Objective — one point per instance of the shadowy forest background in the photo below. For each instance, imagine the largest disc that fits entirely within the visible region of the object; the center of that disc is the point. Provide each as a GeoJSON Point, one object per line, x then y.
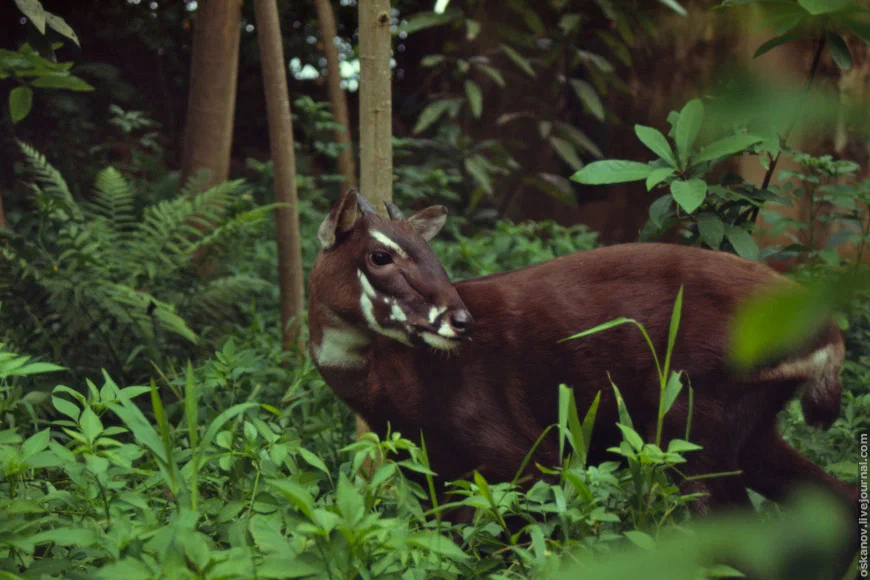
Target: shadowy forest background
{"type": "Point", "coordinates": [159, 415]}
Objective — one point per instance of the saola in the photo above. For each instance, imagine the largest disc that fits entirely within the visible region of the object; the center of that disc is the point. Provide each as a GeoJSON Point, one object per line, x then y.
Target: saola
{"type": "Point", "coordinates": [476, 365]}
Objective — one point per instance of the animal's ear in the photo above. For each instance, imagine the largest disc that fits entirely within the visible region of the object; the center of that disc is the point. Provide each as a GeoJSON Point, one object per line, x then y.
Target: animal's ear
{"type": "Point", "coordinates": [341, 218]}
{"type": "Point", "coordinates": [428, 222]}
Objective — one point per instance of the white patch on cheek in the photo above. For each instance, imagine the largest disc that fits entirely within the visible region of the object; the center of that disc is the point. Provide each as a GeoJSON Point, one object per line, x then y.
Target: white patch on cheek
{"type": "Point", "coordinates": [436, 341]}
{"type": "Point", "coordinates": [386, 241]}
{"type": "Point", "coordinates": [368, 310]}
{"type": "Point", "coordinates": [446, 330]}
{"type": "Point", "coordinates": [396, 313]}
{"type": "Point", "coordinates": [367, 287]}
{"type": "Point", "coordinates": [435, 312]}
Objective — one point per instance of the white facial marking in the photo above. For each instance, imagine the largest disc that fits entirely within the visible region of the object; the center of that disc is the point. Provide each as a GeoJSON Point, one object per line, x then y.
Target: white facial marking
{"type": "Point", "coordinates": [341, 348]}
{"type": "Point", "coordinates": [438, 342]}
{"type": "Point", "coordinates": [810, 367]}
{"type": "Point", "coordinates": [446, 331]}
{"type": "Point", "coordinates": [386, 241]}
{"type": "Point", "coordinates": [368, 290]}
{"type": "Point", "coordinates": [435, 312]}
{"type": "Point", "coordinates": [396, 313]}
{"type": "Point", "coordinates": [368, 310]}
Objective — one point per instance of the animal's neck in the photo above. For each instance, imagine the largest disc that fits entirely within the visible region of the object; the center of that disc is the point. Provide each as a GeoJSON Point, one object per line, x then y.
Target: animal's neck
{"type": "Point", "coordinates": [341, 351]}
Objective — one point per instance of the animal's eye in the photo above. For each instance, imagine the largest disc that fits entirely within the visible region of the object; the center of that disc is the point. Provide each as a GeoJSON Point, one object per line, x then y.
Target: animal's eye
{"type": "Point", "coordinates": [380, 258]}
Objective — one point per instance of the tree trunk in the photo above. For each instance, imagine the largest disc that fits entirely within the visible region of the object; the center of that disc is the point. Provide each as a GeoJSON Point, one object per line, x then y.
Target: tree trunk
{"type": "Point", "coordinates": [284, 168]}
{"type": "Point", "coordinates": [337, 98]}
{"type": "Point", "coordinates": [375, 101]}
{"type": "Point", "coordinates": [211, 101]}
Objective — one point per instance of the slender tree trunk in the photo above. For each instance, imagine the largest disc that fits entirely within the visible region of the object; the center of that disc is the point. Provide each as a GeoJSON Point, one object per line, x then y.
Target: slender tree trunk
{"type": "Point", "coordinates": [284, 168]}
{"type": "Point", "coordinates": [375, 101]}
{"type": "Point", "coordinates": [211, 101]}
{"type": "Point", "coordinates": [376, 129]}
{"type": "Point", "coordinates": [346, 164]}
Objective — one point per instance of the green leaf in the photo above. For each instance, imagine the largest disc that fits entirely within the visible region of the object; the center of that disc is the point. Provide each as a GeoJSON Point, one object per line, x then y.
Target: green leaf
{"type": "Point", "coordinates": [34, 12]}
{"type": "Point", "coordinates": [438, 544]}
{"type": "Point", "coordinates": [36, 443]}
{"type": "Point", "coordinates": [743, 243]}
{"type": "Point", "coordinates": [688, 125]}
{"type": "Point", "coordinates": [612, 171]}
{"type": "Point", "coordinates": [294, 492]}
{"type": "Point", "coordinates": [472, 28]}
{"type": "Point", "coordinates": [660, 210]}
{"type": "Point", "coordinates": [839, 50]}
{"type": "Point", "coordinates": [578, 138]}
{"type": "Point", "coordinates": [689, 194]}
{"type": "Point", "coordinates": [711, 229]}
{"type": "Point", "coordinates": [423, 20]}
{"type": "Point", "coordinates": [350, 502]}
{"type": "Point", "coordinates": [589, 97]}
{"type": "Point", "coordinates": [313, 460]}
{"type": "Point", "coordinates": [519, 60]}
{"type": "Point", "coordinates": [726, 147]}
{"type": "Point", "coordinates": [672, 391]}
{"type": "Point", "coordinates": [631, 436]}
{"type": "Point", "coordinates": [641, 539]}
{"type": "Point", "coordinates": [816, 7]}
{"type": "Point", "coordinates": [776, 41]}
{"type": "Point", "coordinates": [65, 407]}
{"type": "Point", "coordinates": [20, 103]}
{"type": "Point", "coordinates": [90, 424]}
{"type": "Point", "coordinates": [492, 73]}
{"type": "Point", "coordinates": [475, 98]}
{"type": "Point", "coordinates": [681, 446]}
{"type": "Point", "coordinates": [567, 152]}
{"type": "Point", "coordinates": [431, 113]}
{"type": "Point", "coordinates": [657, 176]}
{"type": "Point", "coordinates": [861, 29]}
{"type": "Point", "coordinates": [656, 142]}
{"type": "Point", "coordinates": [675, 6]}
{"type": "Point", "coordinates": [60, 26]}
{"type": "Point", "coordinates": [601, 327]}
{"type": "Point", "coordinates": [37, 368]}
{"type": "Point", "coordinates": [62, 81]}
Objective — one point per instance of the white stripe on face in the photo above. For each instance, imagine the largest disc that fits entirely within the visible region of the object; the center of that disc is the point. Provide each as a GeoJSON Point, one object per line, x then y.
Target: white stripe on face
{"type": "Point", "coordinates": [367, 287]}
{"type": "Point", "coordinates": [396, 313]}
{"type": "Point", "coordinates": [386, 241]}
{"type": "Point", "coordinates": [435, 312]}
{"type": "Point", "coordinates": [445, 330]}
{"type": "Point", "coordinates": [368, 310]}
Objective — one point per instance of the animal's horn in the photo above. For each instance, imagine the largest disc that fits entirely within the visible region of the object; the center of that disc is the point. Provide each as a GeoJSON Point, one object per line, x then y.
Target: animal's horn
{"type": "Point", "coordinates": [363, 204]}
{"type": "Point", "coordinates": [394, 211]}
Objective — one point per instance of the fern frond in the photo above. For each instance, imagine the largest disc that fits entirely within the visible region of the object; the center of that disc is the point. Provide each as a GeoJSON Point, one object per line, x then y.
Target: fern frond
{"type": "Point", "coordinates": [247, 221]}
{"type": "Point", "coordinates": [216, 299]}
{"type": "Point", "coordinates": [113, 202]}
{"type": "Point", "coordinates": [50, 182]}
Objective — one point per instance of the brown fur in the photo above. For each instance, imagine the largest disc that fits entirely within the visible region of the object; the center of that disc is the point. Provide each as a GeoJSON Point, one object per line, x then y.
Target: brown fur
{"type": "Point", "coordinates": [482, 405]}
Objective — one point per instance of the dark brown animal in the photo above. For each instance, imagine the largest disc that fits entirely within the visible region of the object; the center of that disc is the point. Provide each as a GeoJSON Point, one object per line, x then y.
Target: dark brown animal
{"type": "Point", "coordinates": [476, 365]}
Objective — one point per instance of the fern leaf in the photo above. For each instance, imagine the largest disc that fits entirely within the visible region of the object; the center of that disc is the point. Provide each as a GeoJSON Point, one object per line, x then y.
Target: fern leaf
{"type": "Point", "coordinates": [50, 182]}
{"type": "Point", "coordinates": [113, 202]}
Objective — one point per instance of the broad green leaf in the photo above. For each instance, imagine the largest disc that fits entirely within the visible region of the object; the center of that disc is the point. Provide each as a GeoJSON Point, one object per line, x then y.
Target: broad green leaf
{"type": "Point", "coordinates": [349, 500]}
{"type": "Point", "coordinates": [641, 539]}
{"type": "Point", "coordinates": [277, 566]}
{"type": "Point", "coordinates": [657, 176]}
{"type": "Point", "coordinates": [688, 125]}
{"type": "Point", "coordinates": [438, 544]}
{"type": "Point", "coordinates": [776, 41]}
{"type": "Point", "coordinates": [430, 114]}
{"type": "Point", "coordinates": [631, 436]}
{"type": "Point", "coordinates": [656, 142]}
{"type": "Point", "coordinates": [839, 50]}
{"type": "Point", "coordinates": [672, 391]}
{"type": "Point", "coordinates": [20, 103]}
{"type": "Point", "coordinates": [519, 60]}
{"type": "Point", "coordinates": [589, 97]}
{"type": "Point", "coordinates": [62, 81]}
{"type": "Point", "coordinates": [65, 407]}
{"type": "Point", "coordinates": [660, 210]}
{"type": "Point", "coordinates": [313, 460]}
{"type": "Point", "coordinates": [816, 7]}
{"type": "Point", "coordinates": [423, 20]}
{"type": "Point", "coordinates": [689, 194]}
{"type": "Point", "coordinates": [294, 492]}
{"type": "Point", "coordinates": [34, 12]}
{"type": "Point", "coordinates": [36, 443]}
{"type": "Point", "coordinates": [475, 98]}
{"type": "Point", "coordinates": [567, 152]}
{"type": "Point", "coordinates": [612, 171]}
{"type": "Point", "coordinates": [711, 229]}
{"type": "Point", "coordinates": [726, 147]}
{"type": "Point", "coordinates": [60, 26]}
{"type": "Point", "coordinates": [90, 424]}
{"type": "Point", "coordinates": [744, 244]}
{"type": "Point", "coordinates": [38, 368]}
{"type": "Point", "coordinates": [682, 446]}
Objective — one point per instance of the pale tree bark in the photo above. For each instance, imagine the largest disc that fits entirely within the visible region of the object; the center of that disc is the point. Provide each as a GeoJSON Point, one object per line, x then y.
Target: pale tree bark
{"type": "Point", "coordinates": [376, 129]}
{"type": "Point", "coordinates": [284, 170]}
{"type": "Point", "coordinates": [376, 126]}
{"type": "Point", "coordinates": [337, 98]}
{"type": "Point", "coordinates": [211, 100]}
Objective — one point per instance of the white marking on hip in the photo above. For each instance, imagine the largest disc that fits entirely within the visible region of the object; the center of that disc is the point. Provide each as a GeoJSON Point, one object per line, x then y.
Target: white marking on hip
{"type": "Point", "coordinates": [386, 241]}
{"type": "Point", "coordinates": [367, 287]}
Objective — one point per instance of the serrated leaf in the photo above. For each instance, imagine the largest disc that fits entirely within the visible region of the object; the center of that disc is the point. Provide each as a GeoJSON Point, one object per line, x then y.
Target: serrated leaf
{"type": "Point", "coordinates": [725, 147]}
{"type": "Point", "coordinates": [589, 97]}
{"type": "Point", "coordinates": [689, 194]}
{"type": "Point", "coordinates": [519, 60]}
{"type": "Point", "coordinates": [839, 50]}
{"type": "Point", "coordinates": [612, 171]}
{"type": "Point", "coordinates": [743, 243]}
{"type": "Point", "coordinates": [657, 176]}
{"type": "Point", "coordinates": [655, 142]}
{"type": "Point", "coordinates": [34, 12]}
{"type": "Point", "coordinates": [475, 98]}
{"type": "Point", "coordinates": [20, 103]}
{"type": "Point", "coordinates": [711, 229]}
{"type": "Point", "coordinates": [688, 125]}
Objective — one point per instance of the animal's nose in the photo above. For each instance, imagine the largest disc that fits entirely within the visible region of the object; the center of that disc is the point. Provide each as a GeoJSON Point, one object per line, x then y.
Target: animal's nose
{"type": "Point", "coordinates": [461, 322]}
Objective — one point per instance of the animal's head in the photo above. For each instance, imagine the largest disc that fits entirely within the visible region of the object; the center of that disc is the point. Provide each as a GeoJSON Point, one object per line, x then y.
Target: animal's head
{"type": "Point", "coordinates": [380, 273]}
